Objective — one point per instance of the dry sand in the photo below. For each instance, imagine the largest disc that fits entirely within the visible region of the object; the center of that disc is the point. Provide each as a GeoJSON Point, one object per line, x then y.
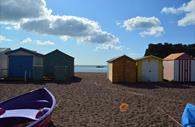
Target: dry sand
{"type": "Point", "coordinates": [92, 101]}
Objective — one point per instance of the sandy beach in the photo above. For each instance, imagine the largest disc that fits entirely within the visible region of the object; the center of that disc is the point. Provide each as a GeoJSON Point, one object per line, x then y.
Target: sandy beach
{"type": "Point", "coordinates": [91, 100]}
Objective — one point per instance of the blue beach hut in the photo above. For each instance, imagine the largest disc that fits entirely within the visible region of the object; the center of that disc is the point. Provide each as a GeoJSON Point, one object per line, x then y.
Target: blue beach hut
{"type": "Point", "coordinates": [21, 62]}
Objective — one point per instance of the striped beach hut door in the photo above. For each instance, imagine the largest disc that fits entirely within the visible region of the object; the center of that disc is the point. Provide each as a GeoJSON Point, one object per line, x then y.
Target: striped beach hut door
{"type": "Point", "coordinates": [184, 70]}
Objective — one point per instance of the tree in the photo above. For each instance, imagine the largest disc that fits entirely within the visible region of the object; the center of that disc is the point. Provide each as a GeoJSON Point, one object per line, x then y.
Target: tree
{"type": "Point", "coordinates": [163, 50]}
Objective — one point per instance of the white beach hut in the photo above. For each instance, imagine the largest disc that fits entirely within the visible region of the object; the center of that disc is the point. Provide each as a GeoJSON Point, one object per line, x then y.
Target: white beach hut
{"type": "Point", "coordinates": [4, 62]}
{"type": "Point", "coordinates": [179, 67]}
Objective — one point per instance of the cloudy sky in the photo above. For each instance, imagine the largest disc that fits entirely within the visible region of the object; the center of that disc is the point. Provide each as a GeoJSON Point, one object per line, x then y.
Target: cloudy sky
{"type": "Point", "coordinates": [94, 31]}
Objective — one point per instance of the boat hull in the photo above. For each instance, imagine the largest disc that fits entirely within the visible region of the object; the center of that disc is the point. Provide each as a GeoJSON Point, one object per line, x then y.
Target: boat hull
{"type": "Point", "coordinates": [23, 109]}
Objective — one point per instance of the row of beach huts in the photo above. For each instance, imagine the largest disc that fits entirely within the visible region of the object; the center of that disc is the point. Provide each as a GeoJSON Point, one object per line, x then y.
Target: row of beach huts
{"type": "Point", "coordinates": [26, 64]}
{"type": "Point", "coordinates": [30, 65]}
{"type": "Point", "coordinates": [178, 67]}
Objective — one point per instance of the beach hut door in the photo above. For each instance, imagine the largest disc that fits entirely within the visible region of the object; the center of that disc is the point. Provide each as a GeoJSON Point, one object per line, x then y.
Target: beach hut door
{"type": "Point", "coordinates": [150, 70]}
{"type": "Point", "coordinates": [154, 71]}
{"type": "Point", "coordinates": [19, 66]}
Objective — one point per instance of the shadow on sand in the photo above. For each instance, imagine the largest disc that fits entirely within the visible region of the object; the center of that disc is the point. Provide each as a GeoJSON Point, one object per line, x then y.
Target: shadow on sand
{"type": "Point", "coordinates": [51, 124]}
{"type": "Point", "coordinates": [156, 85]}
{"type": "Point", "coordinates": [75, 79]}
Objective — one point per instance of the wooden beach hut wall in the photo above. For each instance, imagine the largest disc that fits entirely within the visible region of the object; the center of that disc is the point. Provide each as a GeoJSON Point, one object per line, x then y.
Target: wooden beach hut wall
{"type": "Point", "coordinates": [122, 69]}
{"type": "Point", "coordinates": [58, 65]}
{"type": "Point", "coordinates": [149, 69]}
{"type": "Point", "coordinates": [4, 62]}
{"type": "Point", "coordinates": [22, 62]}
{"type": "Point", "coordinates": [179, 67]}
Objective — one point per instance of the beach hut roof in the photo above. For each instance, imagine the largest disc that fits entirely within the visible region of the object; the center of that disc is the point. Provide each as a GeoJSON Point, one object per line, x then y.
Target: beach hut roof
{"type": "Point", "coordinates": [150, 56]}
{"type": "Point", "coordinates": [60, 53]}
{"type": "Point", "coordinates": [4, 50]}
{"type": "Point", "coordinates": [176, 56]}
{"type": "Point", "coordinates": [116, 58]}
{"type": "Point", "coordinates": [25, 50]}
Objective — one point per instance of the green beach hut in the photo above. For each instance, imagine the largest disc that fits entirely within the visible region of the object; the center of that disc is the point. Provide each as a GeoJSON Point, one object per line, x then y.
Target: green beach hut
{"type": "Point", "coordinates": [58, 65]}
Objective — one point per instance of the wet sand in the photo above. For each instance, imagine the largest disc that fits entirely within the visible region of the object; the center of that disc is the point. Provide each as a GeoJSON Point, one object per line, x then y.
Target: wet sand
{"type": "Point", "coordinates": [91, 100]}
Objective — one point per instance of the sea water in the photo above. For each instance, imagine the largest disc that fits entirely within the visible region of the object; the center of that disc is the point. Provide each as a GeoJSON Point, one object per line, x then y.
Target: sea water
{"type": "Point", "coordinates": [90, 68]}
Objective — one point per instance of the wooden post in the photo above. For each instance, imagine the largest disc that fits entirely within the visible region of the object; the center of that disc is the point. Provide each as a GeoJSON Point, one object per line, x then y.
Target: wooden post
{"type": "Point", "coordinates": [25, 76]}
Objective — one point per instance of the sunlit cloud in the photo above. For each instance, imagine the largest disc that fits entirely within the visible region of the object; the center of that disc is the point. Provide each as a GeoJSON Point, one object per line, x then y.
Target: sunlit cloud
{"type": "Point", "coordinates": [4, 38]}
{"type": "Point", "coordinates": [188, 9]}
{"type": "Point", "coordinates": [37, 18]}
{"type": "Point", "coordinates": [151, 26]}
{"type": "Point", "coordinates": [37, 42]}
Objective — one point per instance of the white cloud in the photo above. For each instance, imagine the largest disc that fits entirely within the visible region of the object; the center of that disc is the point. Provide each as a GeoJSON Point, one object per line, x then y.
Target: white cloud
{"type": "Point", "coordinates": [188, 9]}
{"type": "Point", "coordinates": [107, 46]}
{"type": "Point", "coordinates": [140, 23]}
{"type": "Point", "coordinates": [3, 38]}
{"type": "Point", "coordinates": [83, 29]}
{"type": "Point", "coordinates": [8, 28]}
{"type": "Point", "coordinates": [64, 38]}
{"type": "Point", "coordinates": [16, 10]}
{"type": "Point", "coordinates": [10, 25]}
{"type": "Point", "coordinates": [150, 25]}
{"type": "Point", "coordinates": [37, 42]}
{"type": "Point", "coordinates": [189, 19]}
{"type": "Point", "coordinates": [27, 41]}
{"type": "Point", "coordinates": [34, 16]}
{"type": "Point", "coordinates": [169, 10]}
{"type": "Point", "coordinates": [153, 31]}
{"type": "Point", "coordinates": [118, 23]}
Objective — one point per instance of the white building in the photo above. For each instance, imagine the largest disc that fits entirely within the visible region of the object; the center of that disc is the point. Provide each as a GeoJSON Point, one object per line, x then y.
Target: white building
{"type": "Point", "coordinates": [179, 67]}
{"type": "Point", "coordinates": [4, 62]}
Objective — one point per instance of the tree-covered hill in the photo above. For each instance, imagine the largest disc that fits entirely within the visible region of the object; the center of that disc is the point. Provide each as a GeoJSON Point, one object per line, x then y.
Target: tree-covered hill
{"type": "Point", "coordinates": [163, 50]}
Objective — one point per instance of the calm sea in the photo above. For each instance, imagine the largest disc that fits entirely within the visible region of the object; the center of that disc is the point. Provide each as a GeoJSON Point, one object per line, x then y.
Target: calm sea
{"type": "Point", "coordinates": [90, 68]}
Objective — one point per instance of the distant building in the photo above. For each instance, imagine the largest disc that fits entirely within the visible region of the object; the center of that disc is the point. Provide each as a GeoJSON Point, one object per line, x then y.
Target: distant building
{"type": "Point", "coordinates": [58, 65]}
{"type": "Point", "coordinates": [179, 67]}
{"type": "Point", "coordinates": [122, 69]}
{"type": "Point", "coordinates": [4, 62]}
{"type": "Point", "coordinates": [149, 69]}
{"type": "Point", "coordinates": [21, 63]}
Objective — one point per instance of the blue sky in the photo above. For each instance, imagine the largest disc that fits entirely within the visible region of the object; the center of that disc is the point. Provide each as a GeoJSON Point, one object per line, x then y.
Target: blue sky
{"type": "Point", "coordinates": [94, 31]}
